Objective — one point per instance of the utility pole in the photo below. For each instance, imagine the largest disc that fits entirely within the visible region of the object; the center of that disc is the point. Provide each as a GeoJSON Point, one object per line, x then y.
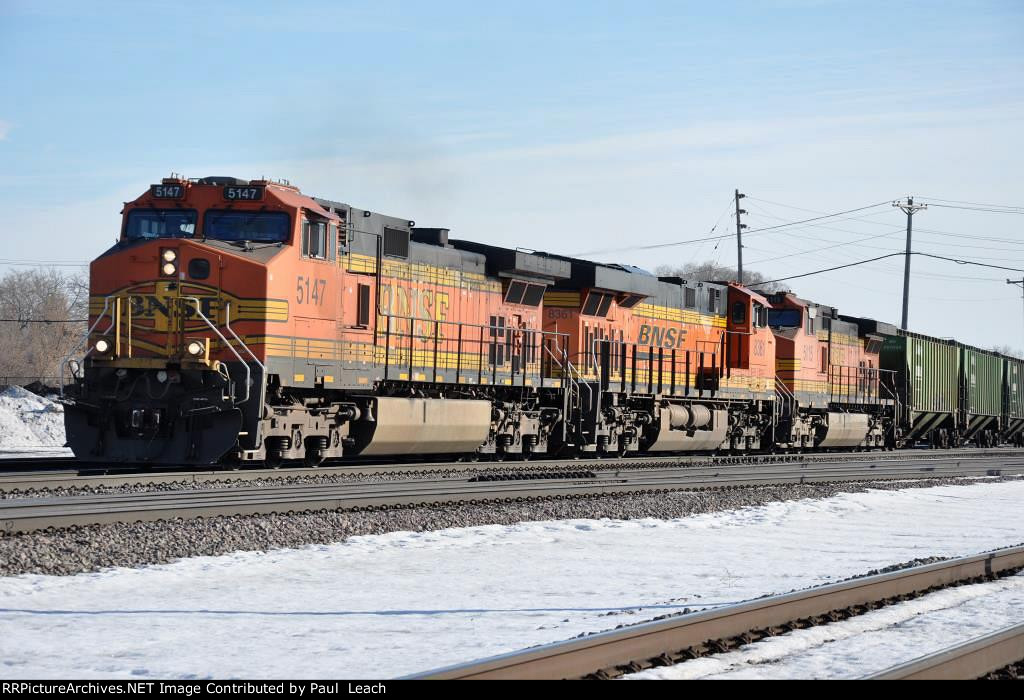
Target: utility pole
{"type": "Point", "coordinates": [1021, 283]}
{"type": "Point", "coordinates": [739, 237]}
{"type": "Point", "coordinates": [908, 208]}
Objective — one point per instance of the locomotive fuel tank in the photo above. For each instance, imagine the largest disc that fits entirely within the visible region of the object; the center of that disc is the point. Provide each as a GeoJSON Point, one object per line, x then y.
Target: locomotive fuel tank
{"type": "Point", "coordinates": [405, 426]}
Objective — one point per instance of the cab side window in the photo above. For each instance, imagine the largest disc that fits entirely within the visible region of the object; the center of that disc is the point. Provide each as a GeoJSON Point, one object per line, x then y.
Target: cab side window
{"type": "Point", "coordinates": [318, 240]}
{"type": "Point", "coordinates": [739, 312]}
{"type": "Point", "coordinates": [760, 316]}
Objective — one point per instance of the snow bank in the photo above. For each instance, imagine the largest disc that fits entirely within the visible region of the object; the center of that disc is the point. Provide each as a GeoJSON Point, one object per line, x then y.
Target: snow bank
{"type": "Point", "coordinates": [29, 421]}
{"type": "Point", "coordinates": [394, 604]}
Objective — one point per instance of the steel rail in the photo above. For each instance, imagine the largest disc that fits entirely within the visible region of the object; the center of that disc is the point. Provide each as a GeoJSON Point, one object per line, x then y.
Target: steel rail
{"type": "Point", "coordinates": [662, 643]}
{"type": "Point", "coordinates": [837, 470]}
{"type": "Point", "coordinates": [32, 514]}
{"type": "Point", "coordinates": [375, 465]}
{"type": "Point", "coordinates": [966, 661]}
{"type": "Point", "coordinates": [91, 475]}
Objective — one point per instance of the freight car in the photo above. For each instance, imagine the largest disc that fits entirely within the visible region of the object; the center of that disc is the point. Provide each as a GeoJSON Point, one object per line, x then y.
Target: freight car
{"type": "Point", "coordinates": [951, 394]}
{"type": "Point", "coordinates": [245, 321]}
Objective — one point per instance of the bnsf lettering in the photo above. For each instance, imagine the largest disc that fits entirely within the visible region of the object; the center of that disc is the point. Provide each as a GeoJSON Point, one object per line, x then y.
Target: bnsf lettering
{"type": "Point", "coordinates": [149, 306]}
{"type": "Point", "coordinates": [661, 337]}
{"type": "Point", "coordinates": [414, 306]}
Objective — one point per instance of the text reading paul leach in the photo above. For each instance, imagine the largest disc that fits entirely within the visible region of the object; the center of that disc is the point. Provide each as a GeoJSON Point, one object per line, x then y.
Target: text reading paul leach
{"type": "Point", "coordinates": [194, 689]}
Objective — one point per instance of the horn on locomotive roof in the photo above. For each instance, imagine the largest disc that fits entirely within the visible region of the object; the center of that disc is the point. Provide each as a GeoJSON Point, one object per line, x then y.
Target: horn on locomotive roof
{"type": "Point", "coordinates": [222, 180]}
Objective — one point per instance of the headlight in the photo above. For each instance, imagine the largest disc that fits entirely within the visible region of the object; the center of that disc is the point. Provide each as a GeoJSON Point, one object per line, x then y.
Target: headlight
{"type": "Point", "coordinates": [102, 346]}
{"type": "Point", "coordinates": [195, 348]}
{"type": "Point", "coordinates": [170, 255]}
{"type": "Point", "coordinates": [169, 269]}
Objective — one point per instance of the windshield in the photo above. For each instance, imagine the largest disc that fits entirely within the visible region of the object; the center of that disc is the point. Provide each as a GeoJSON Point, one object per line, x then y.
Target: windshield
{"type": "Point", "coordinates": [266, 226]}
{"type": "Point", "coordinates": [160, 223]}
{"type": "Point", "coordinates": [784, 318]}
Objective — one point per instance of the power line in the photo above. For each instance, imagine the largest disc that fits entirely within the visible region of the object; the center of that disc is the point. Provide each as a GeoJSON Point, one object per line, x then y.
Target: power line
{"type": "Point", "coordinates": [828, 269]}
{"type": "Point", "coordinates": [817, 218]}
{"type": "Point", "coordinates": [758, 212]}
{"type": "Point", "coordinates": [883, 257]}
{"type": "Point", "coordinates": [656, 246]}
{"type": "Point", "coordinates": [880, 223]}
{"type": "Point", "coordinates": [50, 263]}
{"type": "Point", "coordinates": [717, 222]}
{"type": "Point", "coordinates": [899, 230]}
{"type": "Point", "coordinates": [817, 250]}
{"type": "Point", "coordinates": [976, 204]}
{"type": "Point", "coordinates": [43, 320]}
{"type": "Point", "coordinates": [961, 261]}
{"type": "Point", "coordinates": [918, 274]}
{"type": "Point", "coordinates": [859, 242]}
{"type": "Point", "coordinates": [991, 211]}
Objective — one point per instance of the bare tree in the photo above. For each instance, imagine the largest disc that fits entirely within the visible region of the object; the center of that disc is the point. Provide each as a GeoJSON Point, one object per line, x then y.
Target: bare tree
{"type": "Point", "coordinates": [42, 318]}
{"type": "Point", "coordinates": [1008, 350]}
{"type": "Point", "coordinates": [710, 271]}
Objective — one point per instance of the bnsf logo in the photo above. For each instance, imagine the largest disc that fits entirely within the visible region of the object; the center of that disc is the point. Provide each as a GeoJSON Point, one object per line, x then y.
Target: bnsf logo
{"type": "Point", "coordinates": [155, 311]}
{"type": "Point", "coordinates": [661, 337]}
{"type": "Point", "coordinates": [151, 306]}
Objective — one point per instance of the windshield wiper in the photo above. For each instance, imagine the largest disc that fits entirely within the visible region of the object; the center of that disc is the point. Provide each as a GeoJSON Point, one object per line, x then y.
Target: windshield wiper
{"type": "Point", "coordinates": [248, 245]}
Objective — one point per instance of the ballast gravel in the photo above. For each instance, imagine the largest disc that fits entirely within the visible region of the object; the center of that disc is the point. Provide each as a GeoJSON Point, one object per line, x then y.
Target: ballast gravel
{"type": "Point", "coordinates": [73, 551]}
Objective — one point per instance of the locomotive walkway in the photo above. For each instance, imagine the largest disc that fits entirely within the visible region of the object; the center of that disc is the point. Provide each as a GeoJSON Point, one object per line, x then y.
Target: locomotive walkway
{"type": "Point", "coordinates": [33, 514]}
{"type": "Point", "coordinates": [666, 642]}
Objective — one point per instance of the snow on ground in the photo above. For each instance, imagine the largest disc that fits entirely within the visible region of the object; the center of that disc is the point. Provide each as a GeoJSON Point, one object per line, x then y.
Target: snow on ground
{"type": "Point", "coordinates": [29, 422]}
{"type": "Point", "coordinates": [395, 604]}
{"type": "Point", "coordinates": [869, 643]}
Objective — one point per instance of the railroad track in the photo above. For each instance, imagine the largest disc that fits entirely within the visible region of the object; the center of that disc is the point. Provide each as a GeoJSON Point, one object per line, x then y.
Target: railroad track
{"type": "Point", "coordinates": [671, 641]}
{"type": "Point", "coordinates": [21, 515]}
{"type": "Point", "coordinates": [972, 659]}
{"type": "Point", "coordinates": [48, 474]}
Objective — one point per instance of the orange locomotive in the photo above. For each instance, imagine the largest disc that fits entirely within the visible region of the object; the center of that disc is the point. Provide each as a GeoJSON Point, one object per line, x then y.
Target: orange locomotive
{"type": "Point", "coordinates": [246, 321]}
{"type": "Point", "coordinates": [833, 393]}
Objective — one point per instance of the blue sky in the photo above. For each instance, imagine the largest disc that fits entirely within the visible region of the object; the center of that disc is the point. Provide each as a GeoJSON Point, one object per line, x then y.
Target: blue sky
{"type": "Point", "coordinates": [566, 127]}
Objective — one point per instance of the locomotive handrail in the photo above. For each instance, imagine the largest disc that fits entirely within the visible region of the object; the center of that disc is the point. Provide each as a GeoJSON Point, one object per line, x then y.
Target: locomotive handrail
{"type": "Point", "coordinates": [227, 324]}
{"type": "Point", "coordinates": [84, 340]}
{"type": "Point", "coordinates": [786, 395]}
{"type": "Point", "coordinates": [248, 372]}
{"type": "Point", "coordinates": [579, 379]}
{"type": "Point", "coordinates": [263, 382]}
{"type": "Point", "coordinates": [856, 382]}
{"type": "Point", "coordinates": [574, 383]}
{"type": "Point", "coordinates": [528, 337]}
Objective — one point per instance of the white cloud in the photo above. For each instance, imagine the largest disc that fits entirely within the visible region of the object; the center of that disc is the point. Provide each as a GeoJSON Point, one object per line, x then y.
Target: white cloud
{"type": "Point", "coordinates": [5, 128]}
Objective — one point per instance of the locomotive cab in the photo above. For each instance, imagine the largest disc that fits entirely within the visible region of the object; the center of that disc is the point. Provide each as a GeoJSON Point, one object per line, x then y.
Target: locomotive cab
{"type": "Point", "coordinates": [179, 306]}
